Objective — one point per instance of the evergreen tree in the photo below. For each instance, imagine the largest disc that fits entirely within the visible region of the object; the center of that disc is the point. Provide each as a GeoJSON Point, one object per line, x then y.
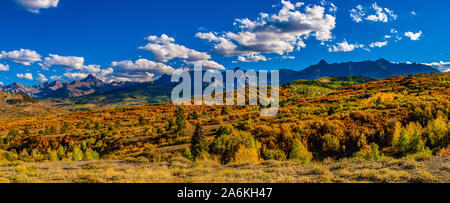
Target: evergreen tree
{"type": "Point", "coordinates": [180, 121]}
{"type": "Point", "coordinates": [300, 152]}
{"type": "Point", "coordinates": [198, 142]}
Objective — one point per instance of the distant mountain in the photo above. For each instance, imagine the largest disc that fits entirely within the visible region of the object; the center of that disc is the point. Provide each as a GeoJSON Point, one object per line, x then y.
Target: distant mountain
{"type": "Point", "coordinates": [375, 69]}
{"type": "Point", "coordinates": [92, 89]}
{"type": "Point", "coordinates": [58, 89]}
{"type": "Point", "coordinates": [137, 93]}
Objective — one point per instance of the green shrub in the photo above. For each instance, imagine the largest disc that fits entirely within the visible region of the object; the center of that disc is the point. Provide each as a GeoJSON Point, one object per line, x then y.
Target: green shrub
{"type": "Point", "coordinates": [53, 156]}
{"type": "Point", "coordinates": [274, 154]}
{"type": "Point", "coordinates": [300, 152]}
{"type": "Point", "coordinates": [226, 146]}
{"type": "Point", "coordinates": [369, 153]}
{"type": "Point", "coordinates": [90, 154]}
{"type": "Point", "coordinates": [330, 143]}
{"type": "Point", "coordinates": [61, 153]}
{"type": "Point", "coordinates": [77, 154]}
{"type": "Point", "coordinates": [9, 155]}
{"type": "Point", "coordinates": [244, 126]}
{"type": "Point", "coordinates": [403, 142]}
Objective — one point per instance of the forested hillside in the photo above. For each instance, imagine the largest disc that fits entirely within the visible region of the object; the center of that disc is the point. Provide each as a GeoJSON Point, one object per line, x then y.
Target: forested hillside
{"type": "Point", "coordinates": [399, 116]}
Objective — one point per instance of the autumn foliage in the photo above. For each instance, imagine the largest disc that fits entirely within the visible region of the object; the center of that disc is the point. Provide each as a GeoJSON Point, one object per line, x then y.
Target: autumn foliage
{"type": "Point", "coordinates": [399, 116]}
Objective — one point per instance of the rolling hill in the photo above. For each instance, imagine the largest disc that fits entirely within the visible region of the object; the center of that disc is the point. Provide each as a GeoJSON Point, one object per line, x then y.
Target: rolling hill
{"type": "Point", "coordinates": [18, 105]}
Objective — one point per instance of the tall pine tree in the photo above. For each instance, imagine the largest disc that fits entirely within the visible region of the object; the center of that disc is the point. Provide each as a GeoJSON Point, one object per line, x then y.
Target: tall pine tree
{"type": "Point", "coordinates": [180, 121]}
{"type": "Point", "coordinates": [198, 142]}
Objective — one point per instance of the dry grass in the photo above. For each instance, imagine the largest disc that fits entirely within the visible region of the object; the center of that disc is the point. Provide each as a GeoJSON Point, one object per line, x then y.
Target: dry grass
{"type": "Point", "coordinates": [180, 170]}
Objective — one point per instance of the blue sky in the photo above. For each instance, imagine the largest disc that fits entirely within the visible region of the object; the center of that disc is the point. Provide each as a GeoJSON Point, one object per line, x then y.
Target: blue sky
{"type": "Point", "coordinates": [136, 40]}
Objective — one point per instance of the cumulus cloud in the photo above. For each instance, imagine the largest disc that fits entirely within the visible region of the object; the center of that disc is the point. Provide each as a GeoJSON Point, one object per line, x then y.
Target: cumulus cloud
{"type": "Point", "coordinates": [379, 44]}
{"type": "Point", "coordinates": [374, 13]}
{"type": "Point", "coordinates": [41, 78]}
{"type": "Point", "coordinates": [414, 36]}
{"type": "Point", "coordinates": [76, 76]}
{"type": "Point", "coordinates": [252, 58]}
{"type": "Point", "coordinates": [69, 62]}
{"type": "Point", "coordinates": [75, 67]}
{"type": "Point", "coordinates": [344, 47]}
{"type": "Point", "coordinates": [4, 67]}
{"type": "Point", "coordinates": [164, 49]}
{"type": "Point", "coordinates": [442, 66]}
{"type": "Point", "coordinates": [23, 56]}
{"type": "Point", "coordinates": [34, 6]}
{"type": "Point", "coordinates": [278, 33]}
{"type": "Point", "coordinates": [132, 77]}
{"type": "Point", "coordinates": [142, 70]}
{"type": "Point", "coordinates": [26, 76]}
{"type": "Point", "coordinates": [206, 64]}
{"type": "Point", "coordinates": [143, 65]}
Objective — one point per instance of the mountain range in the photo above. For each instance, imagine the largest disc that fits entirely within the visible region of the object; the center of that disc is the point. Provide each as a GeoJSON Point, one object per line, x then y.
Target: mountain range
{"type": "Point", "coordinates": [159, 90]}
{"type": "Point", "coordinates": [58, 89]}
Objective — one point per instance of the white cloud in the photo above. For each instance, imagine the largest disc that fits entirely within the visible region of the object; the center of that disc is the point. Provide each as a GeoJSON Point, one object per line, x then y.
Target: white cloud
{"type": "Point", "coordinates": [413, 13]}
{"type": "Point", "coordinates": [26, 76]}
{"type": "Point", "coordinates": [23, 56]}
{"type": "Point", "coordinates": [35, 5]}
{"type": "Point", "coordinates": [75, 67]}
{"type": "Point", "coordinates": [143, 66]}
{"type": "Point", "coordinates": [41, 78]}
{"type": "Point", "coordinates": [69, 62]}
{"type": "Point", "coordinates": [164, 39]}
{"type": "Point", "coordinates": [344, 47]}
{"type": "Point", "coordinates": [4, 67]}
{"type": "Point", "coordinates": [164, 49]}
{"type": "Point", "coordinates": [132, 77]}
{"type": "Point", "coordinates": [288, 57]}
{"type": "Point", "coordinates": [357, 14]}
{"type": "Point", "coordinates": [379, 44]}
{"type": "Point", "coordinates": [414, 36]}
{"type": "Point", "coordinates": [387, 36]}
{"type": "Point", "coordinates": [374, 13]}
{"type": "Point", "coordinates": [278, 33]}
{"type": "Point", "coordinates": [76, 76]}
{"type": "Point", "coordinates": [331, 7]}
{"type": "Point", "coordinates": [206, 65]}
{"type": "Point", "coordinates": [252, 58]}
{"type": "Point", "coordinates": [442, 66]}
